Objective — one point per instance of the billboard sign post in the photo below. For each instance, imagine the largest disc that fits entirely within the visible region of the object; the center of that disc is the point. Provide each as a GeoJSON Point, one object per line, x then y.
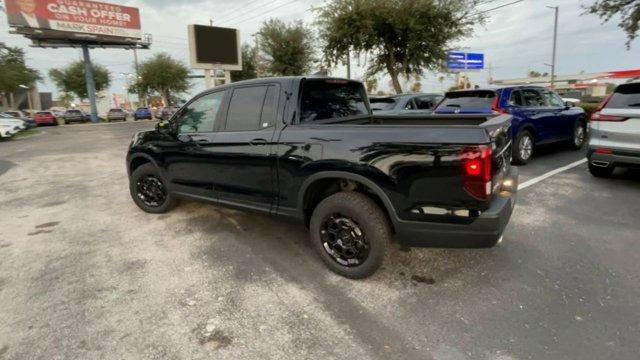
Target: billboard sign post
{"type": "Point", "coordinates": [214, 48]}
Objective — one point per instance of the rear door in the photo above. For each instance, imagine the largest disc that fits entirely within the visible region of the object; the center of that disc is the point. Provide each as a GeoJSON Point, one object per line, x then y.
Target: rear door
{"type": "Point", "coordinates": [621, 128]}
{"type": "Point", "coordinates": [242, 163]}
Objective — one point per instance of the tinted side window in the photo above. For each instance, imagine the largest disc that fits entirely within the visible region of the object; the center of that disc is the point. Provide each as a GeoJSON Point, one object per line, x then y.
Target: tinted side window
{"type": "Point", "coordinates": [532, 98]}
{"type": "Point", "coordinates": [200, 115]}
{"type": "Point", "coordinates": [409, 105]}
{"type": "Point", "coordinates": [425, 102]}
{"type": "Point", "coordinates": [270, 108]}
{"type": "Point", "coordinates": [245, 108]}
{"type": "Point", "coordinates": [516, 98]}
{"type": "Point", "coordinates": [625, 96]}
{"type": "Point", "coordinates": [331, 99]}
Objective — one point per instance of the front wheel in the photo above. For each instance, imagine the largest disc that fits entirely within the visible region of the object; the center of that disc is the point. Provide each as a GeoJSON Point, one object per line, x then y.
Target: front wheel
{"type": "Point", "coordinates": [523, 149]}
{"type": "Point", "coordinates": [579, 135]}
{"type": "Point", "coordinates": [351, 233]}
{"type": "Point", "coordinates": [148, 190]}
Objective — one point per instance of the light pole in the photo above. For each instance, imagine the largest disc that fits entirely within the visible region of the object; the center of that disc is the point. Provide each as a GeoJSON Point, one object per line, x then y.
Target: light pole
{"type": "Point", "coordinates": [28, 95]}
{"type": "Point", "coordinates": [555, 41]}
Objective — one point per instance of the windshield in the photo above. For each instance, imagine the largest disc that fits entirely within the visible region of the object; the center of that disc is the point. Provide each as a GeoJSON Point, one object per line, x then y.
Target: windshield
{"type": "Point", "coordinates": [625, 96]}
{"type": "Point", "coordinates": [43, 113]}
{"type": "Point", "coordinates": [382, 104]}
{"type": "Point", "coordinates": [331, 99]}
{"type": "Point", "coordinates": [468, 99]}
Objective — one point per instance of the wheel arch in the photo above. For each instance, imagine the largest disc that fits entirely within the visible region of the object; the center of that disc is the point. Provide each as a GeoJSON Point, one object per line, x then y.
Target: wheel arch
{"type": "Point", "coordinates": [138, 159]}
{"type": "Point", "coordinates": [321, 183]}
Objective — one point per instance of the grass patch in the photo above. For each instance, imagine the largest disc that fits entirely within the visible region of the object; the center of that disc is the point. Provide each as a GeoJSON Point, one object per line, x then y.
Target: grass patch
{"type": "Point", "coordinates": [26, 133]}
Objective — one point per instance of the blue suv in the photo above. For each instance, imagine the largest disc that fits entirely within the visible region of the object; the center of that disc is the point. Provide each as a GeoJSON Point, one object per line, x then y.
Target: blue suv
{"type": "Point", "coordinates": [539, 115]}
{"type": "Point", "coordinates": [142, 113]}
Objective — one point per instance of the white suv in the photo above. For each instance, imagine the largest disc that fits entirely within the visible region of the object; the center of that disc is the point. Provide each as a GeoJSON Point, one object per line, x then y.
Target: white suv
{"type": "Point", "coordinates": [615, 131]}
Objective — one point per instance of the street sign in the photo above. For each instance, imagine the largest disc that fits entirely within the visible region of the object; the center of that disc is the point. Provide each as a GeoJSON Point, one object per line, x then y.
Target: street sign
{"type": "Point", "coordinates": [458, 60]}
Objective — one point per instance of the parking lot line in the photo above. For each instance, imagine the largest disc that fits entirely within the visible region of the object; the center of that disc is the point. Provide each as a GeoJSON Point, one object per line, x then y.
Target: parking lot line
{"type": "Point", "coordinates": [549, 174]}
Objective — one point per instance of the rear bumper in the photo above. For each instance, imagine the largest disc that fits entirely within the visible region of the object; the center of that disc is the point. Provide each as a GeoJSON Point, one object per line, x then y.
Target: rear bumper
{"type": "Point", "coordinates": [484, 231]}
{"type": "Point", "coordinates": [619, 158]}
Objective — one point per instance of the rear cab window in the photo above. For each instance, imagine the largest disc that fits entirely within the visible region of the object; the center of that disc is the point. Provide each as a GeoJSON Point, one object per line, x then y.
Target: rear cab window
{"type": "Point", "coordinates": [625, 96]}
{"type": "Point", "coordinates": [329, 100]}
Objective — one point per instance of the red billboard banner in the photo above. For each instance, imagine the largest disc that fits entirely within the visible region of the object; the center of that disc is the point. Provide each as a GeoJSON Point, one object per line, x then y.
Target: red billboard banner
{"type": "Point", "coordinates": [75, 16]}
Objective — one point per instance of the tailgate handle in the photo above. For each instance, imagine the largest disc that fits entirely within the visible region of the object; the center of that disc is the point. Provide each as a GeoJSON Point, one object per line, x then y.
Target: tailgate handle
{"type": "Point", "coordinates": [258, 142]}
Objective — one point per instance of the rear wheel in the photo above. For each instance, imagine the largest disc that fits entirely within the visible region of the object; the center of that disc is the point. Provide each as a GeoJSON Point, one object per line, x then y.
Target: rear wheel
{"type": "Point", "coordinates": [523, 149]}
{"type": "Point", "coordinates": [579, 135]}
{"type": "Point", "coordinates": [148, 190]}
{"type": "Point", "coordinates": [351, 234]}
{"type": "Point", "coordinates": [601, 171]}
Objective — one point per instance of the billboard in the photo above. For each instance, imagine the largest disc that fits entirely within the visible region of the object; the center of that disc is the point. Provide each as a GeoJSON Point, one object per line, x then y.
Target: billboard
{"type": "Point", "coordinates": [458, 60]}
{"type": "Point", "coordinates": [75, 16]}
{"type": "Point", "coordinates": [213, 47]}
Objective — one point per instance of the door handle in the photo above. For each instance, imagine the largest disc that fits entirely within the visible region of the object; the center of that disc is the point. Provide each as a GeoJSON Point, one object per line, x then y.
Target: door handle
{"type": "Point", "coordinates": [258, 142]}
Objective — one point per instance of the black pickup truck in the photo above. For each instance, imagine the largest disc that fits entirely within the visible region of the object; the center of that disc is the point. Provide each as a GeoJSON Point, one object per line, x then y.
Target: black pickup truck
{"type": "Point", "coordinates": [311, 149]}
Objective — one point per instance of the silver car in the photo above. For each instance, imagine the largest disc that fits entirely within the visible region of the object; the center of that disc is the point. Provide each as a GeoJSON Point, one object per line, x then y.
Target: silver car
{"type": "Point", "coordinates": [405, 104]}
{"type": "Point", "coordinates": [615, 131]}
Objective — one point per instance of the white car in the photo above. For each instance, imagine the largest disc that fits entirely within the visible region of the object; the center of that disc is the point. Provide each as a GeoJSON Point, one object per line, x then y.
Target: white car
{"type": "Point", "coordinates": [9, 127]}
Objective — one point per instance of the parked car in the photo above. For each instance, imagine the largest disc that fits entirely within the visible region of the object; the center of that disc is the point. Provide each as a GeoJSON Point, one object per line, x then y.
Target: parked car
{"type": "Point", "coordinates": [142, 113]}
{"type": "Point", "coordinates": [311, 149]}
{"type": "Point", "coordinates": [28, 122]}
{"type": "Point", "coordinates": [10, 127]}
{"type": "Point", "coordinates": [74, 115]}
{"type": "Point", "coordinates": [405, 104]}
{"type": "Point", "coordinates": [116, 114]}
{"type": "Point", "coordinates": [167, 112]}
{"type": "Point", "coordinates": [16, 114]}
{"type": "Point", "coordinates": [615, 131]}
{"type": "Point", "coordinates": [45, 117]}
{"type": "Point", "coordinates": [539, 115]}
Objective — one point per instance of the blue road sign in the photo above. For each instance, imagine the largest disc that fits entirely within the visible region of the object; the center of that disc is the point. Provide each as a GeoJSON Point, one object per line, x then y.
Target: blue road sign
{"type": "Point", "coordinates": [465, 61]}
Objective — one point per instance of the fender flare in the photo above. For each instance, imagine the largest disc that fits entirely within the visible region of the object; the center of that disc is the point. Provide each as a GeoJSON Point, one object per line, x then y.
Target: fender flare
{"type": "Point", "coordinates": [350, 176]}
{"type": "Point", "coordinates": [147, 157]}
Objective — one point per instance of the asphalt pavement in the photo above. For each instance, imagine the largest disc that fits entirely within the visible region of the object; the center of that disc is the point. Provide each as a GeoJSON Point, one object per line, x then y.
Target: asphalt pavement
{"type": "Point", "coordinates": [85, 274]}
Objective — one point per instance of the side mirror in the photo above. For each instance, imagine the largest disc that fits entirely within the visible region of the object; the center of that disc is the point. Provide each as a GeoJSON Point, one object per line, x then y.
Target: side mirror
{"type": "Point", "coordinates": [569, 104]}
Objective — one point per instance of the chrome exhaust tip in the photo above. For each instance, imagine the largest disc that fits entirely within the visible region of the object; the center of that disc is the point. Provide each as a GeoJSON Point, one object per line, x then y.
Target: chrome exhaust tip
{"type": "Point", "coordinates": [599, 163]}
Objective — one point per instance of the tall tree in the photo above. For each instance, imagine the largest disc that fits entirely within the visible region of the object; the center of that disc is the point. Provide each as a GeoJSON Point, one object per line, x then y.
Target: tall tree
{"type": "Point", "coordinates": [537, 74]}
{"type": "Point", "coordinates": [71, 79]}
{"type": "Point", "coordinates": [403, 37]}
{"type": "Point", "coordinates": [250, 64]}
{"type": "Point", "coordinates": [287, 49]}
{"type": "Point", "coordinates": [14, 71]}
{"type": "Point", "coordinates": [628, 10]}
{"type": "Point", "coordinates": [164, 75]}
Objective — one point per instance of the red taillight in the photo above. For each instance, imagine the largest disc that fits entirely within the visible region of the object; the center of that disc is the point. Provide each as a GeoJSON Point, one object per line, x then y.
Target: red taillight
{"type": "Point", "coordinates": [603, 151]}
{"type": "Point", "coordinates": [597, 116]}
{"type": "Point", "coordinates": [476, 171]}
{"type": "Point", "coordinates": [495, 106]}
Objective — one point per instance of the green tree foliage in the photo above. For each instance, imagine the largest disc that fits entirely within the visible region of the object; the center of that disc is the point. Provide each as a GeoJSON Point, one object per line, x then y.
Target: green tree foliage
{"type": "Point", "coordinates": [403, 37]}
{"type": "Point", "coordinates": [416, 87]}
{"type": "Point", "coordinates": [627, 10]}
{"type": "Point", "coordinates": [537, 74]}
{"type": "Point", "coordinates": [164, 75]}
{"type": "Point", "coordinates": [250, 64]}
{"type": "Point", "coordinates": [13, 70]}
{"type": "Point", "coordinates": [71, 79]}
{"type": "Point", "coordinates": [371, 83]}
{"type": "Point", "coordinates": [286, 49]}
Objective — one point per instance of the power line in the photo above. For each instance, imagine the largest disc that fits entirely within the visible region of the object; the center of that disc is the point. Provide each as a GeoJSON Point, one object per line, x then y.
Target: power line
{"type": "Point", "coordinates": [498, 7]}
{"type": "Point", "coordinates": [264, 13]}
{"type": "Point", "coordinates": [244, 13]}
{"type": "Point", "coordinates": [229, 12]}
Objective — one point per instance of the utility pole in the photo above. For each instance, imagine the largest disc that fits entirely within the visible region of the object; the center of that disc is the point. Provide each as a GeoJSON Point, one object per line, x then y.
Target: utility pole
{"type": "Point", "coordinates": [91, 87]}
{"type": "Point", "coordinates": [141, 101]}
{"type": "Point", "coordinates": [555, 41]}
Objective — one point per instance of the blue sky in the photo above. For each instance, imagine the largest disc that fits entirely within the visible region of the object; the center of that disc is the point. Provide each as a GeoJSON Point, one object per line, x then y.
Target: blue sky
{"type": "Point", "coordinates": [515, 39]}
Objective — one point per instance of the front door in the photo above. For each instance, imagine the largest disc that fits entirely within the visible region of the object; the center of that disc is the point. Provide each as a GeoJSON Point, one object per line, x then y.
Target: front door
{"type": "Point", "coordinates": [243, 174]}
{"type": "Point", "coordinates": [188, 159]}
